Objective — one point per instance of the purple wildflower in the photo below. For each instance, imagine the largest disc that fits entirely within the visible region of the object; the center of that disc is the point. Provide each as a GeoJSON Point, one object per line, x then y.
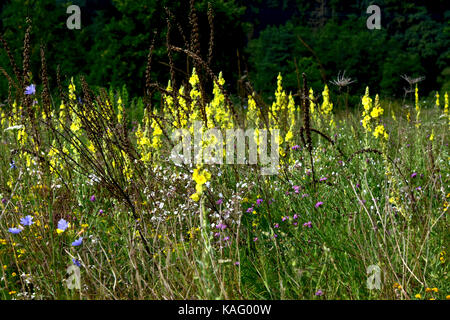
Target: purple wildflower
{"type": "Point", "coordinates": [276, 225]}
{"type": "Point", "coordinates": [76, 262]}
{"type": "Point", "coordinates": [92, 198]}
{"type": "Point", "coordinates": [318, 204]}
{"type": "Point", "coordinates": [308, 224]}
{"type": "Point", "coordinates": [219, 202]}
{"type": "Point", "coordinates": [259, 201]}
{"type": "Point", "coordinates": [27, 221]}
{"type": "Point", "coordinates": [31, 89]}
{"type": "Point", "coordinates": [62, 225]}
{"type": "Point", "coordinates": [77, 242]}
{"type": "Point", "coordinates": [296, 189]}
{"type": "Point", "coordinates": [323, 179]}
{"type": "Point", "coordinates": [221, 226]}
{"type": "Point", "coordinates": [319, 293]}
{"type": "Point", "coordinates": [15, 230]}
{"type": "Point", "coordinates": [413, 175]}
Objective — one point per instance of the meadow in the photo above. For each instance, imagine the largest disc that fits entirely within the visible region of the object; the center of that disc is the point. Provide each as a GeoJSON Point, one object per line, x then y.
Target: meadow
{"type": "Point", "coordinates": [357, 210]}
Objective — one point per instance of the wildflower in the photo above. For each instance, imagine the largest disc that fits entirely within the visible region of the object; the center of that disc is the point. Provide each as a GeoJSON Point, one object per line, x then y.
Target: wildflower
{"type": "Point", "coordinates": [92, 198]}
{"type": "Point", "coordinates": [397, 286]}
{"type": "Point", "coordinates": [77, 242]}
{"type": "Point", "coordinates": [27, 221]}
{"type": "Point", "coordinates": [413, 175]}
{"type": "Point", "coordinates": [12, 165]}
{"type": "Point", "coordinates": [428, 290]}
{"type": "Point", "coordinates": [62, 226]}
{"type": "Point", "coordinates": [295, 216]}
{"type": "Point", "coordinates": [284, 218]}
{"type": "Point", "coordinates": [318, 204]}
{"type": "Point", "coordinates": [31, 89]}
{"type": "Point", "coordinates": [319, 293]}
{"type": "Point", "coordinates": [308, 224]}
{"type": "Point", "coordinates": [226, 238]}
{"type": "Point", "coordinates": [447, 297]}
{"type": "Point", "coordinates": [296, 189]}
{"type": "Point", "coordinates": [435, 290]}
{"type": "Point", "coordinates": [276, 225]}
{"type": "Point", "coordinates": [15, 230]}
{"type": "Point", "coordinates": [323, 179]}
{"type": "Point", "coordinates": [259, 201]}
{"type": "Point", "coordinates": [12, 292]}
{"type": "Point", "coordinates": [305, 195]}
{"type": "Point", "coordinates": [195, 197]}
{"type": "Point", "coordinates": [296, 147]}
{"type": "Point", "coordinates": [418, 296]}
{"type": "Point", "coordinates": [4, 200]}
{"type": "Point", "coordinates": [100, 211]}
{"type": "Point", "coordinates": [250, 210]}
{"type": "Point", "coordinates": [219, 202]}
{"type": "Point", "coordinates": [76, 262]}
{"type": "Point", "coordinates": [255, 239]}
{"type": "Point", "coordinates": [221, 226]}
{"type": "Point", "coordinates": [236, 263]}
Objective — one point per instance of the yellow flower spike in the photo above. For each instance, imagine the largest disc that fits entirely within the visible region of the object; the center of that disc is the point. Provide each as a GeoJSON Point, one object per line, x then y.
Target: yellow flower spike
{"type": "Point", "coordinates": [327, 105]}
{"type": "Point", "coordinates": [195, 197]}
{"type": "Point", "coordinates": [417, 106]}
{"type": "Point", "coordinates": [418, 296]}
{"type": "Point", "coordinates": [446, 103]}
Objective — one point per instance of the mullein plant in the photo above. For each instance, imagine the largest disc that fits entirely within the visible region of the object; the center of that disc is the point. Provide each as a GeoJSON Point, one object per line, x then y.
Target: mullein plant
{"type": "Point", "coordinates": [282, 115]}
{"type": "Point", "coordinates": [371, 117]}
{"type": "Point", "coordinates": [446, 111]}
{"type": "Point", "coordinates": [417, 106]}
{"type": "Point", "coordinates": [327, 107]}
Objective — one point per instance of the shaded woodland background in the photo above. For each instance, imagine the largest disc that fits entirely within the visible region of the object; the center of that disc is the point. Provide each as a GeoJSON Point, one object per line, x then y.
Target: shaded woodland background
{"type": "Point", "coordinates": [253, 38]}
